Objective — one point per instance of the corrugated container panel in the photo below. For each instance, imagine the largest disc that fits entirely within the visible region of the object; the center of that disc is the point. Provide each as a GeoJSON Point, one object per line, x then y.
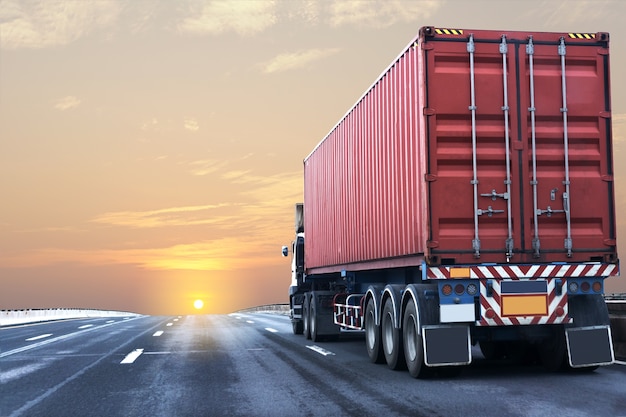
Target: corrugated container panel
{"type": "Point", "coordinates": [362, 181]}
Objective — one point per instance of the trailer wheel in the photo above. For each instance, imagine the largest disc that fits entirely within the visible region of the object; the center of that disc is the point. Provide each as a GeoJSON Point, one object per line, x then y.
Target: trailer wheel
{"type": "Point", "coordinates": [553, 351]}
{"type": "Point", "coordinates": [372, 334]}
{"type": "Point", "coordinates": [492, 350]}
{"type": "Point", "coordinates": [412, 339]}
{"type": "Point", "coordinates": [306, 329]}
{"type": "Point", "coordinates": [391, 338]}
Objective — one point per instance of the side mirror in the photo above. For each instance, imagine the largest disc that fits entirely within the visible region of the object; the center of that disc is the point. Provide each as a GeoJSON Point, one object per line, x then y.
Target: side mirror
{"type": "Point", "coordinates": [285, 251]}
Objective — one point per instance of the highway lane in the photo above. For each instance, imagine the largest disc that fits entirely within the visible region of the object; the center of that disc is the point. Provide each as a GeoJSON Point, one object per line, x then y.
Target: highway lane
{"type": "Point", "coordinates": [251, 365]}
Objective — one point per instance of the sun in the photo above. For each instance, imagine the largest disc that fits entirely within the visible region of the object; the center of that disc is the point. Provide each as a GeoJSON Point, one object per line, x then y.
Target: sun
{"type": "Point", "coordinates": [198, 304]}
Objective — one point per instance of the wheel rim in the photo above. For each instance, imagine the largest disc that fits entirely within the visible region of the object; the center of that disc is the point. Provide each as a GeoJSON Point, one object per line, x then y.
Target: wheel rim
{"type": "Point", "coordinates": [411, 338]}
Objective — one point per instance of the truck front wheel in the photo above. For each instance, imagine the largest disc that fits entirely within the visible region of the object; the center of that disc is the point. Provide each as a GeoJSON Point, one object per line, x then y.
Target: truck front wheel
{"type": "Point", "coordinates": [297, 326]}
{"type": "Point", "coordinates": [372, 334]}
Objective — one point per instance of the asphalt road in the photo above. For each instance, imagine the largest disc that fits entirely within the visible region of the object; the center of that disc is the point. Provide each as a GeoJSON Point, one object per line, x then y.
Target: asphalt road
{"type": "Point", "coordinates": [252, 365]}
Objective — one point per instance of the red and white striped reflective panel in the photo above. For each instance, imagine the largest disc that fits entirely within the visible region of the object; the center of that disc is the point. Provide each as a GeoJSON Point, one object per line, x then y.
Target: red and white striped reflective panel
{"type": "Point", "coordinates": [526, 306]}
{"type": "Point", "coordinates": [589, 269]}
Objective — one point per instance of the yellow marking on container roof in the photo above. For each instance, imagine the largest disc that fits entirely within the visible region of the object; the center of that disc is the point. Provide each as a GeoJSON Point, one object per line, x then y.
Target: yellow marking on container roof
{"type": "Point", "coordinates": [449, 31]}
{"type": "Point", "coordinates": [582, 35]}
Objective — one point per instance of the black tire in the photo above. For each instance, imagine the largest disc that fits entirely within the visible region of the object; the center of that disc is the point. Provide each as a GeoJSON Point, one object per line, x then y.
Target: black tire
{"type": "Point", "coordinates": [553, 351]}
{"type": "Point", "coordinates": [412, 340]}
{"type": "Point", "coordinates": [297, 326]}
{"type": "Point", "coordinates": [391, 338]}
{"type": "Point", "coordinates": [372, 334]}
{"type": "Point", "coordinates": [306, 323]}
{"type": "Point", "coordinates": [491, 350]}
{"type": "Point", "coordinates": [313, 323]}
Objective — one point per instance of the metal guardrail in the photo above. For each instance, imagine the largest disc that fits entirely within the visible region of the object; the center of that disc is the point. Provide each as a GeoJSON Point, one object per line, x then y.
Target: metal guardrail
{"type": "Point", "coordinates": [615, 296]}
{"type": "Point", "coordinates": [270, 308]}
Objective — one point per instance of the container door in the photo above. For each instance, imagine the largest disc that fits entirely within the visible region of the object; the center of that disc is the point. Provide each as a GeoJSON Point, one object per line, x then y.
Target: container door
{"type": "Point", "coordinates": [519, 158]}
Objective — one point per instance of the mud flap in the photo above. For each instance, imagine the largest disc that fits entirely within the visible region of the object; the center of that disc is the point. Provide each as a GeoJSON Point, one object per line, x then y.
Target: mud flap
{"type": "Point", "coordinates": [589, 346]}
{"type": "Point", "coordinates": [447, 345]}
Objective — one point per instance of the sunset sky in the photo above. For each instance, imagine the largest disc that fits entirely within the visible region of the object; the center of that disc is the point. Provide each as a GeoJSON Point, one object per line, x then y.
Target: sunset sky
{"type": "Point", "coordinates": [151, 150]}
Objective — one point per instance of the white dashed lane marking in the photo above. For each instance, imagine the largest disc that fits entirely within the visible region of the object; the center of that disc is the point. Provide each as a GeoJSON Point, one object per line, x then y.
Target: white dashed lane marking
{"type": "Point", "coordinates": [85, 326]}
{"type": "Point", "coordinates": [320, 350]}
{"type": "Point", "coordinates": [43, 336]}
{"type": "Point", "coordinates": [159, 333]}
{"type": "Point", "coordinates": [132, 356]}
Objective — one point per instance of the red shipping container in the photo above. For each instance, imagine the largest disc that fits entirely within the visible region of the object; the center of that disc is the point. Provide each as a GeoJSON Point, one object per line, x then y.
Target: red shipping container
{"type": "Point", "coordinates": [472, 147]}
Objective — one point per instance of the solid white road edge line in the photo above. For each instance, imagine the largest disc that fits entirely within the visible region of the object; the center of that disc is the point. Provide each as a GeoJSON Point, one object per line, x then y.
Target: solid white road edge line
{"type": "Point", "coordinates": [159, 333]}
{"type": "Point", "coordinates": [43, 336]}
{"type": "Point", "coordinates": [132, 356]}
{"type": "Point", "coordinates": [320, 350]}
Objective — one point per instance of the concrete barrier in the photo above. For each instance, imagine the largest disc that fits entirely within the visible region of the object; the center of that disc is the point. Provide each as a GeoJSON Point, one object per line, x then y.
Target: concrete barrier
{"type": "Point", "coordinates": [16, 317]}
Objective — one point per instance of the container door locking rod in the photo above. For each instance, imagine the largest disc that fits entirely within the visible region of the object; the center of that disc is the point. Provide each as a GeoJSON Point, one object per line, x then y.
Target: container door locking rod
{"type": "Point", "coordinates": [566, 198]}
{"type": "Point", "coordinates": [530, 51]}
{"type": "Point", "coordinates": [474, 182]}
{"type": "Point", "coordinates": [507, 181]}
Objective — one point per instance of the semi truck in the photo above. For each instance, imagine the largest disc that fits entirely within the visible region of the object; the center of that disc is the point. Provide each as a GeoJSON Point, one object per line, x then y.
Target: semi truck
{"type": "Point", "coordinates": [466, 199]}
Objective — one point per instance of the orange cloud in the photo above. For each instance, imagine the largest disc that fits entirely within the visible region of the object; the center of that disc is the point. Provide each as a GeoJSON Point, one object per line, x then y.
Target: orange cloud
{"type": "Point", "coordinates": [173, 216]}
